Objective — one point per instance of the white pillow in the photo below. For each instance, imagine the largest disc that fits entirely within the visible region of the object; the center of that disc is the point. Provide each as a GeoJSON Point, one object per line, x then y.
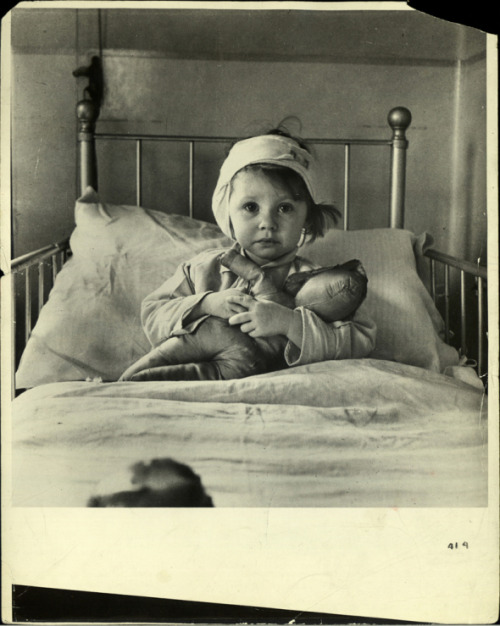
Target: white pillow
{"type": "Point", "coordinates": [409, 327]}
{"type": "Point", "coordinates": [90, 326]}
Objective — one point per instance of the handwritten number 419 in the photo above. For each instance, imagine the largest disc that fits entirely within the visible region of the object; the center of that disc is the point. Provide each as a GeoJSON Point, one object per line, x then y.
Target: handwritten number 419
{"type": "Point", "coordinates": [456, 545]}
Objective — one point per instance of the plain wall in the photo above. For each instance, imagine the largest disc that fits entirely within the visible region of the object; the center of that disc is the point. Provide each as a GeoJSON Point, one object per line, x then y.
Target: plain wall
{"type": "Point", "coordinates": [446, 187]}
{"type": "Point", "coordinates": [43, 150]}
{"type": "Point", "coordinates": [332, 100]}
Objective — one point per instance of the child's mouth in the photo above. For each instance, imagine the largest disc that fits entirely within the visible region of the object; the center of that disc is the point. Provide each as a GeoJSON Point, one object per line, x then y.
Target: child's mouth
{"type": "Point", "coordinates": [267, 242]}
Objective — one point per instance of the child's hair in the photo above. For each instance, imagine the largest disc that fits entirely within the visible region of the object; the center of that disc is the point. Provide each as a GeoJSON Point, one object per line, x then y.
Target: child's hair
{"type": "Point", "coordinates": [318, 215]}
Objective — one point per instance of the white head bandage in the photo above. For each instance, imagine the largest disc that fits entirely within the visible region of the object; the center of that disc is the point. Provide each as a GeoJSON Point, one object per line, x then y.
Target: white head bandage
{"type": "Point", "coordinates": [271, 149]}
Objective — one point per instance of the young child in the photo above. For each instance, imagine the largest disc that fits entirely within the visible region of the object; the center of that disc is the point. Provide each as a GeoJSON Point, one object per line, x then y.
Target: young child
{"type": "Point", "coordinates": [267, 200]}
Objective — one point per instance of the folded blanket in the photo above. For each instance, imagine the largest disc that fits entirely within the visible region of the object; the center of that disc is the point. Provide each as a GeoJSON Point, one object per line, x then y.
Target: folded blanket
{"type": "Point", "coordinates": [340, 433]}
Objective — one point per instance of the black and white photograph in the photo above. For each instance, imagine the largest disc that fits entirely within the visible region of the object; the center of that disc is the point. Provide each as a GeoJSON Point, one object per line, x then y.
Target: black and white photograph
{"type": "Point", "coordinates": [249, 306]}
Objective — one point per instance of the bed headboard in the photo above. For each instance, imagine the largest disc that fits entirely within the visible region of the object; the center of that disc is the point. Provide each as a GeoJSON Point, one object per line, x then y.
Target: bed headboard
{"type": "Point", "coordinates": [398, 118]}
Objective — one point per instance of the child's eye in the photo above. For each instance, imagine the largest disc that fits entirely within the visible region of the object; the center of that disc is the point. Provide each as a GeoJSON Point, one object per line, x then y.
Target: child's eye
{"type": "Point", "coordinates": [285, 207]}
{"type": "Point", "coordinates": [250, 207]}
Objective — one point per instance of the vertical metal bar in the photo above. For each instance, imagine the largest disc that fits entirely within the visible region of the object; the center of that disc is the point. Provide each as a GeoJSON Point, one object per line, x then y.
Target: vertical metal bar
{"type": "Point", "coordinates": [53, 264]}
{"type": "Point", "coordinates": [41, 286]}
{"type": "Point", "coordinates": [397, 189]}
{"type": "Point", "coordinates": [480, 314]}
{"type": "Point", "coordinates": [138, 172]}
{"type": "Point", "coordinates": [447, 303]}
{"type": "Point", "coordinates": [27, 305]}
{"type": "Point", "coordinates": [433, 280]}
{"type": "Point", "coordinates": [87, 112]}
{"type": "Point", "coordinates": [399, 119]}
{"type": "Point", "coordinates": [347, 167]}
{"type": "Point", "coordinates": [463, 314]}
{"type": "Point", "coordinates": [191, 178]}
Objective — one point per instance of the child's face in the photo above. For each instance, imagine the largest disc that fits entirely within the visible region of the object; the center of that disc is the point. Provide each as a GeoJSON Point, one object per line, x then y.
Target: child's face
{"type": "Point", "coordinates": [266, 219]}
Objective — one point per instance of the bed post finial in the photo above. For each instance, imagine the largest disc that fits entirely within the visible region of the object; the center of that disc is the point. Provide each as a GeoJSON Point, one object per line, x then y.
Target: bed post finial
{"type": "Point", "coordinates": [87, 112]}
{"type": "Point", "coordinates": [399, 119]}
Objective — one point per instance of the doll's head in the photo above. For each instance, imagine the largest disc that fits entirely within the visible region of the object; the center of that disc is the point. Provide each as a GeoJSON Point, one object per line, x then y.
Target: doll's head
{"type": "Point", "coordinates": [268, 192]}
{"type": "Point", "coordinates": [159, 483]}
{"type": "Point", "coordinates": [333, 293]}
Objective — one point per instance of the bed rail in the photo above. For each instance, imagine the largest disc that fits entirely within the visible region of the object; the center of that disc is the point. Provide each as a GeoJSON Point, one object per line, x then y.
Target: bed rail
{"type": "Point", "coordinates": [458, 306]}
{"type": "Point", "coordinates": [33, 276]}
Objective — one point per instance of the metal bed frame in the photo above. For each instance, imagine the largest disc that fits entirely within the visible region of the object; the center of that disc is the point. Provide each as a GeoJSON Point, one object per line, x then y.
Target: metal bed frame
{"type": "Point", "coordinates": [47, 262]}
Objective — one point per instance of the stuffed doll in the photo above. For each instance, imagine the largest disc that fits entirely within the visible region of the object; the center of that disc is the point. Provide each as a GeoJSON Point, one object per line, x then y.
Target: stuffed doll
{"type": "Point", "coordinates": [218, 351]}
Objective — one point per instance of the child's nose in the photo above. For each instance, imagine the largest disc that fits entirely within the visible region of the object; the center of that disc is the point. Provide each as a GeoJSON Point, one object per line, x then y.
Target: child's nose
{"type": "Point", "coordinates": [267, 219]}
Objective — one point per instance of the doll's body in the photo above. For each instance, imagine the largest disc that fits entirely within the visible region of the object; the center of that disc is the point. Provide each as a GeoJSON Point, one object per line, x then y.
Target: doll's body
{"type": "Point", "coordinates": [218, 351]}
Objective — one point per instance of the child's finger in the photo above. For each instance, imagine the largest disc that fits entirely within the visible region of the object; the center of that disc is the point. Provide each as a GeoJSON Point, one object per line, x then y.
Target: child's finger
{"type": "Point", "coordinates": [243, 300]}
{"type": "Point", "coordinates": [237, 308]}
{"type": "Point", "coordinates": [248, 328]}
{"type": "Point", "coordinates": [239, 318]}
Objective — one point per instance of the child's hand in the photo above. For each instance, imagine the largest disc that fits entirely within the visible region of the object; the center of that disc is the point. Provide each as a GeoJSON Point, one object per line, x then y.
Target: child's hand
{"type": "Point", "coordinates": [226, 303]}
{"type": "Point", "coordinates": [264, 319]}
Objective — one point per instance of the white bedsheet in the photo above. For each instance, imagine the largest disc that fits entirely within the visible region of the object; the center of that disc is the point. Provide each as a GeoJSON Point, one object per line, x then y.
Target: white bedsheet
{"type": "Point", "coordinates": [334, 434]}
